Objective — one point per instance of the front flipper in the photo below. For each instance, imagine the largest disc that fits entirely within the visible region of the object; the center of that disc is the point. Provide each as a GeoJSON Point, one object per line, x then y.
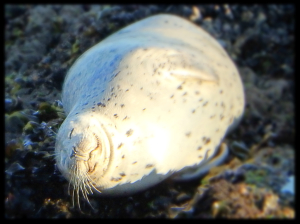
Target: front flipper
{"type": "Point", "coordinates": [189, 64]}
{"type": "Point", "coordinates": [182, 63]}
{"type": "Point", "coordinates": [199, 170]}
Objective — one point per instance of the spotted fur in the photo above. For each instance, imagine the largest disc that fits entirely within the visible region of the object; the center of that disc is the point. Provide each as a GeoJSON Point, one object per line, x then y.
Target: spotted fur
{"type": "Point", "coordinates": [150, 100]}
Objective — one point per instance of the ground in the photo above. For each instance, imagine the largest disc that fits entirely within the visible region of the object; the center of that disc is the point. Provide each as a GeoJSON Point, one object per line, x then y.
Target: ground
{"type": "Point", "coordinates": [42, 42]}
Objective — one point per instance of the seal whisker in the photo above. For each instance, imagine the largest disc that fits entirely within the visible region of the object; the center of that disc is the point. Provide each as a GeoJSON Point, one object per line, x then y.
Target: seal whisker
{"type": "Point", "coordinates": [83, 190]}
{"type": "Point", "coordinates": [51, 154]}
{"type": "Point", "coordinates": [87, 183]}
{"type": "Point", "coordinates": [85, 193]}
{"type": "Point", "coordinates": [77, 186]}
{"type": "Point", "coordinates": [73, 177]}
{"type": "Point", "coordinates": [74, 182]}
{"type": "Point", "coordinates": [80, 181]}
{"type": "Point", "coordinates": [91, 183]}
{"type": "Point", "coordinates": [77, 192]}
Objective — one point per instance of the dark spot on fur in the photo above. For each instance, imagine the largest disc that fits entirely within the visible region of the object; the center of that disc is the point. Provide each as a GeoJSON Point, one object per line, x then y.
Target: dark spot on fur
{"type": "Point", "coordinates": [206, 154]}
{"type": "Point", "coordinates": [207, 141]}
{"type": "Point", "coordinates": [149, 166]}
{"type": "Point", "coordinates": [188, 134]}
{"type": "Point", "coordinates": [129, 132]}
{"type": "Point", "coordinates": [134, 162]}
{"type": "Point", "coordinates": [121, 144]}
{"type": "Point", "coordinates": [115, 115]}
{"type": "Point", "coordinates": [116, 179]}
{"type": "Point", "coordinates": [205, 104]}
{"type": "Point", "coordinates": [117, 74]}
{"type": "Point", "coordinates": [122, 174]}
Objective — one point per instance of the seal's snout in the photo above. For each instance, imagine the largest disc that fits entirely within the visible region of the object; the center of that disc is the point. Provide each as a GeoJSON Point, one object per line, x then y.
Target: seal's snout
{"type": "Point", "coordinates": [85, 145]}
{"type": "Point", "coordinates": [81, 148]}
{"type": "Point", "coordinates": [81, 145]}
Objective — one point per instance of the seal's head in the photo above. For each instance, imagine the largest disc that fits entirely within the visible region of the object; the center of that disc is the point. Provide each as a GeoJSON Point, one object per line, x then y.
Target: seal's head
{"type": "Point", "coordinates": [82, 152]}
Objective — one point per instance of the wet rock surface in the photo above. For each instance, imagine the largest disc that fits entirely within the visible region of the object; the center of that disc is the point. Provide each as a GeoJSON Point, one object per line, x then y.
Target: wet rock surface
{"type": "Point", "coordinates": [43, 41]}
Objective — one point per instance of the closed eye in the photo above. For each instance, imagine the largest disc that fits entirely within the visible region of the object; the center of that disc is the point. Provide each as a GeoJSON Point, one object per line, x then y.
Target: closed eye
{"type": "Point", "coordinates": [70, 135]}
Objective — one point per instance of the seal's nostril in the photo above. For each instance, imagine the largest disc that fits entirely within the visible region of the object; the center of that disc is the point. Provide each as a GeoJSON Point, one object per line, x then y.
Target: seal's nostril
{"type": "Point", "coordinates": [73, 153]}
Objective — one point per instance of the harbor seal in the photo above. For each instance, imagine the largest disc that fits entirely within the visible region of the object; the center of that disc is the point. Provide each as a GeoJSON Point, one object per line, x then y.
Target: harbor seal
{"type": "Point", "coordinates": [153, 99]}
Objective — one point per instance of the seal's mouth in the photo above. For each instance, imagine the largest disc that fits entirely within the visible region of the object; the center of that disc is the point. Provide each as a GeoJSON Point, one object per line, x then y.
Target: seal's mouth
{"type": "Point", "coordinates": [92, 161]}
{"type": "Point", "coordinates": [87, 151]}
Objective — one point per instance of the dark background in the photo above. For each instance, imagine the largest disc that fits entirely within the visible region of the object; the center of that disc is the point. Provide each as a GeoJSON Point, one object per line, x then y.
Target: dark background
{"type": "Point", "coordinates": [42, 42]}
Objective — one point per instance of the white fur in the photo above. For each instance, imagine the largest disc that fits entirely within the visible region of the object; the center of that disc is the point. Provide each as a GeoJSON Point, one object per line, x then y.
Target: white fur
{"type": "Point", "coordinates": [160, 88]}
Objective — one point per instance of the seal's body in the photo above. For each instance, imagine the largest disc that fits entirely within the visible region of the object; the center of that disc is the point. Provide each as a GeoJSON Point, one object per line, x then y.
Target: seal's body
{"type": "Point", "coordinates": [154, 98]}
